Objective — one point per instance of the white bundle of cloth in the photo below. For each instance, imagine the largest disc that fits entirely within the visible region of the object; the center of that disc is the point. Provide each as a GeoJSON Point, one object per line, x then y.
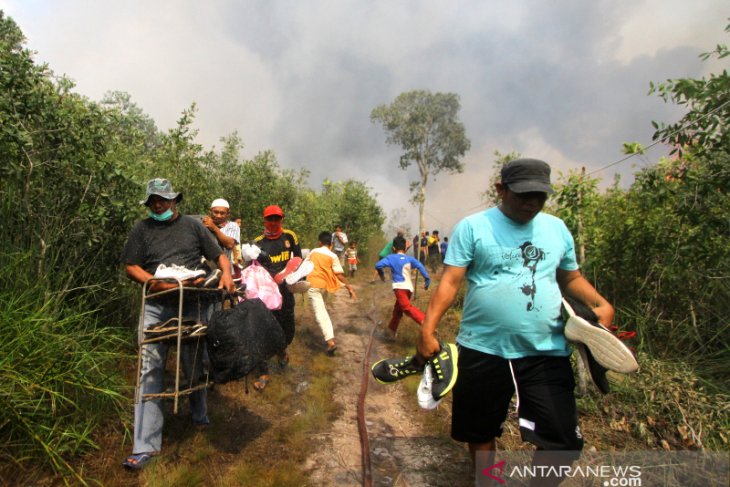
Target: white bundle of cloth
{"type": "Point", "coordinates": [250, 252]}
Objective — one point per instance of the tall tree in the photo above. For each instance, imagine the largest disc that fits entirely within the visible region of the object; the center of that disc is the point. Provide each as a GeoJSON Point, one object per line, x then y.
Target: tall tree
{"type": "Point", "coordinates": [426, 126]}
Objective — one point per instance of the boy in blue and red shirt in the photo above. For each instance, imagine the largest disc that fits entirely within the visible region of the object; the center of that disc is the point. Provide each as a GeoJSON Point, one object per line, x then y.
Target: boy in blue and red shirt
{"type": "Point", "coordinates": [401, 265]}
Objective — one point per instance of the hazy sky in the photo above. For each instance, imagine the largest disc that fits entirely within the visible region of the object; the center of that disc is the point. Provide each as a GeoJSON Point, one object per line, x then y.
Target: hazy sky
{"type": "Point", "coordinates": [565, 81]}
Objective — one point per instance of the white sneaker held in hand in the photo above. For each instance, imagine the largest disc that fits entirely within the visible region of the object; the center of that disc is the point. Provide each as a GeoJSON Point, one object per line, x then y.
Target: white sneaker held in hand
{"type": "Point", "coordinates": [176, 272]}
{"type": "Point", "coordinates": [425, 394]}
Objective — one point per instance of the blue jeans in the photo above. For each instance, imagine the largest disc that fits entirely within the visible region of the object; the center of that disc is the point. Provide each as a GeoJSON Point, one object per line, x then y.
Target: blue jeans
{"type": "Point", "coordinates": [149, 415]}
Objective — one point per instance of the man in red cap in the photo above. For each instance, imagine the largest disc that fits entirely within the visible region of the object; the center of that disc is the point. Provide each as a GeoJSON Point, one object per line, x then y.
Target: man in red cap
{"type": "Point", "coordinates": [278, 246]}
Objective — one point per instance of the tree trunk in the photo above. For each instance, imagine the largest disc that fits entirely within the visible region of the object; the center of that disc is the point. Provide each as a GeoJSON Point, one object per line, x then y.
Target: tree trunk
{"type": "Point", "coordinates": [422, 204]}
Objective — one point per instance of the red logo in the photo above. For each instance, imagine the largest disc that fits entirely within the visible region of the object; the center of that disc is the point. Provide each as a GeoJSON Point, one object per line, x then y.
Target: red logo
{"type": "Point", "coordinates": [488, 472]}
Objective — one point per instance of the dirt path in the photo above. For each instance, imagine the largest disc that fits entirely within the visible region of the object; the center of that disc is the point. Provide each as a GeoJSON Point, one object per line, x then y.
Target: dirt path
{"type": "Point", "coordinates": [402, 452]}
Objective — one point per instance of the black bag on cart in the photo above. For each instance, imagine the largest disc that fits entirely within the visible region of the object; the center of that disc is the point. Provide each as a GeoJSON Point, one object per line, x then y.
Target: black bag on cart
{"type": "Point", "coordinates": [241, 338]}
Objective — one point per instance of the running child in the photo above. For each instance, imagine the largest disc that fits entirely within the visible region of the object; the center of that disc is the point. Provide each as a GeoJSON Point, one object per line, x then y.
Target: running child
{"type": "Point", "coordinates": [401, 265]}
{"type": "Point", "coordinates": [352, 260]}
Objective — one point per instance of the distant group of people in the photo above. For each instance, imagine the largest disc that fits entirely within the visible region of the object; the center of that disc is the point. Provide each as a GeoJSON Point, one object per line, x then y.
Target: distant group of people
{"type": "Point", "coordinates": [518, 262]}
{"type": "Point", "coordinates": [429, 249]}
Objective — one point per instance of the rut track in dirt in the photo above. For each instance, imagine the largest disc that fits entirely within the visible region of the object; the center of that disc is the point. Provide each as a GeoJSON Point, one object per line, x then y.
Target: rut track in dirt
{"type": "Point", "coordinates": [402, 449]}
{"type": "Point", "coordinates": [367, 474]}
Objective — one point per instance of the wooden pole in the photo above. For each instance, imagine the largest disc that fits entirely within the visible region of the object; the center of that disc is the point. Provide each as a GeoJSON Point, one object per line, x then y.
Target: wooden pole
{"type": "Point", "coordinates": [582, 372]}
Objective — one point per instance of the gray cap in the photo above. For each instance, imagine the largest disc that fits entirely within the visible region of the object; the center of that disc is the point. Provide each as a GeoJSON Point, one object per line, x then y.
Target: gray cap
{"type": "Point", "coordinates": [162, 188]}
{"type": "Point", "coordinates": [526, 175]}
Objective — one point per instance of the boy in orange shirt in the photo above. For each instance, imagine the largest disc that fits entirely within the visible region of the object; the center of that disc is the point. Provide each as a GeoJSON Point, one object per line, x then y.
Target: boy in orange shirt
{"type": "Point", "coordinates": [327, 276]}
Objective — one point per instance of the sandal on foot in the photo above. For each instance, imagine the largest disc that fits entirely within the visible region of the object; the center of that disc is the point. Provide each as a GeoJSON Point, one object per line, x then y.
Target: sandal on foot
{"type": "Point", "coordinates": [260, 383]}
{"type": "Point", "coordinates": [137, 461]}
{"type": "Point", "coordinates": [332, 349]}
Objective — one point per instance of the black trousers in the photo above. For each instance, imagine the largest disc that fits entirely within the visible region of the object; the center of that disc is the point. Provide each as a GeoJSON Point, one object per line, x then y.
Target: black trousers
{"type": "Point", "coordinates": [285, 315]}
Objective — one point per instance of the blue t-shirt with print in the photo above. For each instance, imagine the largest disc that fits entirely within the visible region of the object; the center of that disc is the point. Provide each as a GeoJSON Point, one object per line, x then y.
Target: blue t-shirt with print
{"type": "Point", "coordinates": [512, 306]}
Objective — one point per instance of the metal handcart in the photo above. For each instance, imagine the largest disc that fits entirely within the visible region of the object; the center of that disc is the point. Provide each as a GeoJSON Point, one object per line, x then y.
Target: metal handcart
{"type": "Point", "coordinates": [174, 331]}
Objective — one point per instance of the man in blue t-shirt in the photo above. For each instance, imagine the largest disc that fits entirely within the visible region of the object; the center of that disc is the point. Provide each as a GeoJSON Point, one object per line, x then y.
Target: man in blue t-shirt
{"type": "Point", "coordinates": [518, 262]}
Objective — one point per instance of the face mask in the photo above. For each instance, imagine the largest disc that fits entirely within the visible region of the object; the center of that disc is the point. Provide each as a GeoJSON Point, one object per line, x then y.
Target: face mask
{"type": "Point", "coordinates": [273, 230]}
{"type": "Point", "coordinates": [161, 218]}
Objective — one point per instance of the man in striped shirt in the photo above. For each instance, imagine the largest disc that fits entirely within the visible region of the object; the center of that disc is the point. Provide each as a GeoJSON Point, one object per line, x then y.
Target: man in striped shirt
{"type": "Point", "coordinates": [226, 232]}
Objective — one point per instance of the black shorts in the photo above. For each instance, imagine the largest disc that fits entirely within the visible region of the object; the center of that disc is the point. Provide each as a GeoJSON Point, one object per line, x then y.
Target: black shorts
{"type": "Point", "coordinates": [546, 404]}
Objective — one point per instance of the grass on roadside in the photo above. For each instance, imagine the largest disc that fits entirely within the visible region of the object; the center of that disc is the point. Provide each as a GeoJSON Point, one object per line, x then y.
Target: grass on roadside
{"type": "Point", "coordinates": [58, 381]}
{"type": "Point", "coordinates": [664, 405]}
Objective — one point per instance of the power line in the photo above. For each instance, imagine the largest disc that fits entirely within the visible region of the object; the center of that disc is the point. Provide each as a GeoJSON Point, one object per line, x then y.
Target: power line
{"type": "Point", "coordinates": [434, 217]}
{"type": "Point", "coordinates": [480, 205]}
{"type": "Point", "coordinates": [680, 129]}
{"type": "Point", "coordinates": [467, 210]}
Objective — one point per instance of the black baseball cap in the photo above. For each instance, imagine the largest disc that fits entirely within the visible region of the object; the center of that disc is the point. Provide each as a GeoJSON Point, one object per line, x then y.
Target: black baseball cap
{"type": "Point", "coordinates": [527, 175]}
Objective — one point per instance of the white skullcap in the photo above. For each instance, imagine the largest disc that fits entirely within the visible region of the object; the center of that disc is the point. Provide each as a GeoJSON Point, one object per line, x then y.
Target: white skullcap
{"type": "Point", "coordinates": [220, 202]}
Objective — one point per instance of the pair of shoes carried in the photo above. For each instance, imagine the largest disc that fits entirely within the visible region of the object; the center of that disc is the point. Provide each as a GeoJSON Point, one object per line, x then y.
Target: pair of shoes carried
{"type": "Point", "coordinates": [291, 265]}
{"type": "Point", "coordinates": [331, 348]}
{"type": "Point", "coordinates": [137, 461]}
{"type": "Point", "coordinates": [425, 391]}
{"type": "Point", "coordinates": [176, 272]}
{"type": "Point", "coordinates": [169, 329]}
{"type": "Point", "coordinates": [387, 371]}
{"type": "Point", "coordinates": [304, 269]}
{"type": "Point", "coordinates": [596, 370]}
{"type": "Point", "coordinates": [443, 369]}
{"type": "Point", "coordinates": [212, 279]}
{"type": "Point", "coordinates": [260, 384]}
{"type": "Point", "coordinates": [605, 348]}
{"type": "Point", "coordinates": [198, 329]}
